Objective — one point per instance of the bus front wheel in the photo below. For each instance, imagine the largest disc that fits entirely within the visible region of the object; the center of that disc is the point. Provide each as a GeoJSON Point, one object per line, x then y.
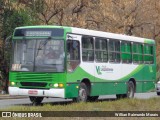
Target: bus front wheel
{"type": "Point", "coordinates": [82, 93]}
{"type": "Point", "coordinates": [35, 100]}
{"type": "Point", "coordinates": [158, 93]}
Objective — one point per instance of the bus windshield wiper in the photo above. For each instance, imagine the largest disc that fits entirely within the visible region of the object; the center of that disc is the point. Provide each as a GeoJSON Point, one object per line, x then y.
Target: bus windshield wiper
{"type": "Point", "coordinates": [42, 44]}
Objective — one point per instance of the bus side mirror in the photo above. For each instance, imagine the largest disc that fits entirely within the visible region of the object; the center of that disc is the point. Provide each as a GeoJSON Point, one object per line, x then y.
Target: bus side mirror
{"type": "Point", "coordinates": [8, 42]}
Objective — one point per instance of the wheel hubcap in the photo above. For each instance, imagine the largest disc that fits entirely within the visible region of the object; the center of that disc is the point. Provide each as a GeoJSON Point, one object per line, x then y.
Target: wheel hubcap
{"type": "Point", "coordinates": [82, 94]}
{"type": "Point", "coordinates": [130, 91]}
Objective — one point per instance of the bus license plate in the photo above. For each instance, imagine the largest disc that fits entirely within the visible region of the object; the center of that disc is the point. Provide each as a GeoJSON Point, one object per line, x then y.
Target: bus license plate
{"type": "Point", "coordinates": [33, 92]}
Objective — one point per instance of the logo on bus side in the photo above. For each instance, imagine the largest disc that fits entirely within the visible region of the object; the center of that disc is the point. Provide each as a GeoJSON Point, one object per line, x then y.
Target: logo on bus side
{"type": "Point", "coordinates": [101, 69]}
{"type": "Point", "coordinates": [98, 69]}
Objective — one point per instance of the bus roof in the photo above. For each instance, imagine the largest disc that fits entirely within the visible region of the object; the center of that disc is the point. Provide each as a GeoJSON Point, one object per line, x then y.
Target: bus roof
{"type": "Point", "coordinates": [95, 33]}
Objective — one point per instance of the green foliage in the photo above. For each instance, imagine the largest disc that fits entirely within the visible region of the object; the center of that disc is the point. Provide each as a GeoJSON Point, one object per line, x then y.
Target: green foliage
{"type": "Point", "coordinates": [13, 19]}
{"type": "Point", "coordinates": [158, 75]}
{"type": "Point", "coordinates": [1, 4]}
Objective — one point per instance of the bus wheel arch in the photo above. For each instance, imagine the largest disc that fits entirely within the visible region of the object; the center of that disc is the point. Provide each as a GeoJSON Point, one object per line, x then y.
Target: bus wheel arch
{"type": "Point", "coordinates": [90, 98]}
{"type": "Point", "coordinates": [87, 82]}
{"type": "Point", "coordinates": [131, 89]}
{"type": "Point", "coordinates": [84, 91]}
{"type": "Point", "coordinates": [134, 82]}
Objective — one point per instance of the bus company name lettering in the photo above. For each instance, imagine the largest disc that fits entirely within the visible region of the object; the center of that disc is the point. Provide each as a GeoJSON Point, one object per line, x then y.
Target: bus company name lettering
{"type": "Point", "coordinates": [101, 69]}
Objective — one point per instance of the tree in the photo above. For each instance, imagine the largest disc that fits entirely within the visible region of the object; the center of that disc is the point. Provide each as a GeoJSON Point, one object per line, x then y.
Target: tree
{"type": "Point", "coordinates": [11, 18]}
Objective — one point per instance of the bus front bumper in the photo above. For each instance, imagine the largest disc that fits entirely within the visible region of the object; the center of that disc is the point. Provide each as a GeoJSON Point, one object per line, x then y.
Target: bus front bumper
{"type": "Point", "coordinates": [37, 92]}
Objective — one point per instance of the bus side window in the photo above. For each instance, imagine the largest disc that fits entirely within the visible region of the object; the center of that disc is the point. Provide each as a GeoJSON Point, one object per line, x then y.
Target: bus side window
{"type": "Point", "coordinates": [101, 53]}
{"type": "Point", "coordinates": [73, 54]}
{"type": "Point", "coordinates": [114, 51]}
{"type": "Point", "coordinates": [148, 54]}
{"type": "Point", "coordinates": [137, 49]}
{"type": "Point", "coordinates": [126, 55]}
{"type": "Point", "coordinates": [87, 48]}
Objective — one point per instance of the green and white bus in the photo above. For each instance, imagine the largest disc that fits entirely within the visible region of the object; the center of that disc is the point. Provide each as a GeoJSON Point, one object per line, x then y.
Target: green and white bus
{"type": "Point", "coordinates": [79, 64]}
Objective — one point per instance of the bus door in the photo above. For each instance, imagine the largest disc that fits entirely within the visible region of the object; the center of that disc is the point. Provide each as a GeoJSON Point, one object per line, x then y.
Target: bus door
{"type": "Point", "coordinates": [73, 54]}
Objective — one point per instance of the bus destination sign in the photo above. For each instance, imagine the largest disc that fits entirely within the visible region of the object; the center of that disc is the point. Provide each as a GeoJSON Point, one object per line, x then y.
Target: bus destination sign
{"type": "Point", "coordinates": [38, 33]}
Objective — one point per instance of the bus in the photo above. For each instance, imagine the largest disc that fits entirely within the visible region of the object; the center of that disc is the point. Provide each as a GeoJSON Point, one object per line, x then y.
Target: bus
{"type": "Point", "coordinates": [79, 64]}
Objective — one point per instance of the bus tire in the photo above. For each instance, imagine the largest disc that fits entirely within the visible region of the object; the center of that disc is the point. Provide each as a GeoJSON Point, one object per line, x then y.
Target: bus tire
{"type": "Point", "coordinates": [130, 90]}
{"type": "Point", "coordinates": [82, 93]}
{"type": "Point", "coordinates": [36, 100]}
{"type": "Point", "coordinates": [158, 93]}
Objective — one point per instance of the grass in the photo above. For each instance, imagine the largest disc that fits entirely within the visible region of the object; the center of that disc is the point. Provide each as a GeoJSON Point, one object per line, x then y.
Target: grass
{"type": "Point", "coordinates": [152, 104]}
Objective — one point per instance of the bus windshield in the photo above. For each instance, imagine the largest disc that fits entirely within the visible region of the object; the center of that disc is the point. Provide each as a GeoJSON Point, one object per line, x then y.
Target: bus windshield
{"type": "Point", "coordinates": [40, 55]}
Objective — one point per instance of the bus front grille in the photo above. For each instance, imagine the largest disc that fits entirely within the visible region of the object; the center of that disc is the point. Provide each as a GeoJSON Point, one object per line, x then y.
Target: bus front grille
{"type": "Point", "coordinates": [33, 84]}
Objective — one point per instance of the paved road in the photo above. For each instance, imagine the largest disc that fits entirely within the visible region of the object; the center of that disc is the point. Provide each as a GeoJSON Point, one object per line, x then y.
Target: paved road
{"type": "Point", "coordinates": [25, 101]}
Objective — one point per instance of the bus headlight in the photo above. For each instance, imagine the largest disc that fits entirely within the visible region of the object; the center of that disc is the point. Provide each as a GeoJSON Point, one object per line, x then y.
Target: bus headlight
{"type": "Point", "coordinates": [56, 85]}
{"type": "Point", "coordinates": [13, 83]}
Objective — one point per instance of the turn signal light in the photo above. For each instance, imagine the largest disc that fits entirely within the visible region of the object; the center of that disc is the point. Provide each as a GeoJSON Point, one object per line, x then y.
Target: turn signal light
{"type": "Point", "coordinates": [60, 85]}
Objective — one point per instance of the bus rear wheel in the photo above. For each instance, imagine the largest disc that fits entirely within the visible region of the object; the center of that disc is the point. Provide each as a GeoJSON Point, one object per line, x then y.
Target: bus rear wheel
{"type": "Point", "coordinates": [35, 100]}
{"type": "Point", "coordinates": [130, 91]}
{"type": "Point", "coordinates": [82, 93]}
